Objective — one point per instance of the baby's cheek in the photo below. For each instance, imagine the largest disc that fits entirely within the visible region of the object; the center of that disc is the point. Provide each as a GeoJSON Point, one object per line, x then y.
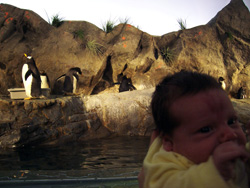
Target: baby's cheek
{"type": "Point", "coordinates": [241, 138]}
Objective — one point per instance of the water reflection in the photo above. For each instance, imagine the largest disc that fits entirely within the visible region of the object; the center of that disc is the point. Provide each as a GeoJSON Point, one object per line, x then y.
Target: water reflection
{"type": "Point", "coordinates": [112, 154]}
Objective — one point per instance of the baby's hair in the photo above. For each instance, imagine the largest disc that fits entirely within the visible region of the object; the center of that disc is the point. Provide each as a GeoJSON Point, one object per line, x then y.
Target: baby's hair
{"type": "Point", "coordinates": [173, 87]}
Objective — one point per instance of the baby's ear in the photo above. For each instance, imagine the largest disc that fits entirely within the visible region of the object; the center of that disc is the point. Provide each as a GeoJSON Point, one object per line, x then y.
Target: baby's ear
{"type": "Point", "coordinates": [167, 143]}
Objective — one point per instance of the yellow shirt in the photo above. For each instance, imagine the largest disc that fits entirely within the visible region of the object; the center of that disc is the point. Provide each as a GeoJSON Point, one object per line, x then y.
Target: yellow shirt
{"type": "Point", "coordinates": [172, 170]}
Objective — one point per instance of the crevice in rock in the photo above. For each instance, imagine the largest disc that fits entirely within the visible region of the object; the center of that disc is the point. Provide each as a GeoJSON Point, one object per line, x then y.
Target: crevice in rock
{"type": "Point", "coordinates": [139, 48]}
{"type": "Point", "coordinates": [107, 78]}
{"type": "Point", "coordinates": [2, 66]}
{"type": "Point", "coordinates": [156, 53]}
{"type": "Point", "coordinates": [108, 71]}
{"type": "Point", "coordinates": [146, 66]}
{"type": "Point", "coordinates": [149, 64]}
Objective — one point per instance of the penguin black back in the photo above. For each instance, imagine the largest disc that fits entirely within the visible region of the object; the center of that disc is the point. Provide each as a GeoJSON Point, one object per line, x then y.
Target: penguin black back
{"type": "Point", "coordinates": [126, 84]}
{"type": "Point", "coordinates": [30, 70]}
{"type": "Point", "coordinates": [241, 94]}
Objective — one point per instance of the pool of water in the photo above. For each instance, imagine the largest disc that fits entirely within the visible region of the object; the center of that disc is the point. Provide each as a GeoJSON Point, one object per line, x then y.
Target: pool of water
{"type": "Point", "coordinates": [106, 162]}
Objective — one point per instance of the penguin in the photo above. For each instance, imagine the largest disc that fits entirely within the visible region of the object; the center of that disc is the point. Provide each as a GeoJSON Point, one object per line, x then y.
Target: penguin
{"type": "Point", "coordinates": [31, 78]}
{"type": "Point", "coordinates": [67, 83]}
{"type": "Point", "coordinates": [241, 94]}
{"type": "Point", "coordinates": [58, 85]}
{"type": "Point", "coordinates": [221, 81]}
{"type": "Point", "coordinates": [45, 83]}
{"type": "Point", "coordinates": [71, 79]}
{"type": "Point", "coordinates": [125, 83]}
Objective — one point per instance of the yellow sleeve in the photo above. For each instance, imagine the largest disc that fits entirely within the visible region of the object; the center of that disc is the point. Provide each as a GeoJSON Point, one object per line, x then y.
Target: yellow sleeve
{"type": "Point", "coordinates": [169, 169]}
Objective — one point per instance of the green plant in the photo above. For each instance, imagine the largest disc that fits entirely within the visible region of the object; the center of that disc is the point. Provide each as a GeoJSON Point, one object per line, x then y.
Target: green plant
{"type": "Point", "coordinates": [167, 54]}
{"type": "Point", "coordinates": [48, 18]}
{"type": "Point", "coordinates": [182, 23]}
{"type": "Point", "coordinates": [229, 35]}
{"type": "Point", "coordinates": [79, 34]}
{"type": "Point", "coordinates": [94, 47]}
{"type": "Point", "coordinates": [56, 20]}
{"type": "Point", "coordinates": [108, 26]}
{"type": "Point", "coordinates": [124, 20]}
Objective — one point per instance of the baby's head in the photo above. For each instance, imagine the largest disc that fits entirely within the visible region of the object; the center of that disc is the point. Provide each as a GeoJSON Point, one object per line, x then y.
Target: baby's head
{"type": "Point", "coordinates": [194, 115]}
{"type": "Point", "coordinates": [172, 88]}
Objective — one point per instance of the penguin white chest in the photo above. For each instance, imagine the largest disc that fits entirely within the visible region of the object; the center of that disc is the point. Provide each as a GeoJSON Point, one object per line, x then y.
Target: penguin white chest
{"type": "Point", "coordinates": [24, 71]}
{"type": "Point", "coordinates": [74, 84]}
{"type": "Point", "coordinates": [223, 85]}
{"type": "Point", "coordinates": [28, 82]}
{"type": "Point", "coordinates": [44, 82]}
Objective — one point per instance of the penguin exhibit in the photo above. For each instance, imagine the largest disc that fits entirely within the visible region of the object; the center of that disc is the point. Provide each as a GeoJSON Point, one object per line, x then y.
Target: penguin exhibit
{"type": "Point", "coordinates": [83, 94]}
{"type": "Point", "coordinates": [74, 81]}
{"type": "Point", "coordinates": [122, 59]}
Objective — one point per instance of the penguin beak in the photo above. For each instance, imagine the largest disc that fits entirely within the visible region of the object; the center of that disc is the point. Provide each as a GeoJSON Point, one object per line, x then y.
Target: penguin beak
{"type": "Point", "coordinates": [25, 55]}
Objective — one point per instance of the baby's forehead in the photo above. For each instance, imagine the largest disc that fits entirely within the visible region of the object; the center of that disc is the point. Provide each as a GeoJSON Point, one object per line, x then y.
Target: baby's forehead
{"type": "Point", "coordinates": [203, 94]}
{"type": "Point", "coordinates": [214, 99]}
{"type": "Point", "coordinates": [203, 108]}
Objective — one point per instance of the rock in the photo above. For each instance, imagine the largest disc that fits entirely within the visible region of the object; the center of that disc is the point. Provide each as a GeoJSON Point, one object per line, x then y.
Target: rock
{"type": "Point", "coordinates": [220, 48]}
{"type": "Point", "coordinates": [121, 113]}
{"type": "Point", "coordinates": [74, 118]}
{"type": "Point", "coordinates": [80, 118]}
{"type": "Point", "coordinates": [242, 108]}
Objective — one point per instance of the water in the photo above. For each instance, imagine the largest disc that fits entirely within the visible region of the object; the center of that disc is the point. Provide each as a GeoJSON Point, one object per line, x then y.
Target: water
{"type": "Point", "coordinates": [95, 163]}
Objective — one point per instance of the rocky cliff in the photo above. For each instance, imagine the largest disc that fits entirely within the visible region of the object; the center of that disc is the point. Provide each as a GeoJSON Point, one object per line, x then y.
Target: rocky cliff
{"type": "Point", "coordinates": [220, 48]}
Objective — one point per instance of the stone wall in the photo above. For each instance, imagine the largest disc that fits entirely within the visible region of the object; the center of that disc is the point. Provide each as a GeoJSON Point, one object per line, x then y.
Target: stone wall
{"type": "Point", "coordinates": [80, 118]}
{"type": "Point", "coordinates": [77, 118]}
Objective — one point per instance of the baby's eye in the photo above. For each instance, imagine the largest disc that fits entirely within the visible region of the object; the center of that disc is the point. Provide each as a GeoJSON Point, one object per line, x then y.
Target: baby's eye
{"type": "Point", "coordinates": [232, 121]}
{"type": "Point", "coordinates": [205, 129]}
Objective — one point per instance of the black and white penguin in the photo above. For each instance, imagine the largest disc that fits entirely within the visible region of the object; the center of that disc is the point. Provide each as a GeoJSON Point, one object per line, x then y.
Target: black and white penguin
{"type": "Point", "coordinates": [67, 83]}
{"type": "Point", "coordinates": [221, 81]}
{"type": "Point", "coordinates": [45, 83]}
{"type": "Point", "coordinates": [71, 79]}
{"type": "Point", "coordinates": [31, 78]}
{"type": "Point", "coordinates": [241, 94]}
{"type": "Point", "coordinates": [125, 83]}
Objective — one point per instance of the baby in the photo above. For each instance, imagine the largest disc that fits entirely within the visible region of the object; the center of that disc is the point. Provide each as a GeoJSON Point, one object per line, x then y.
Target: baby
{"type": "Point", "coordinates": [199, 142]}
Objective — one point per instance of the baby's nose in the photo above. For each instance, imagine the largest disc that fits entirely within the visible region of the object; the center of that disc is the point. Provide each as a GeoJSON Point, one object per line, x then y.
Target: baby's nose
{"type": "Point", "coordinates": [227, 134]}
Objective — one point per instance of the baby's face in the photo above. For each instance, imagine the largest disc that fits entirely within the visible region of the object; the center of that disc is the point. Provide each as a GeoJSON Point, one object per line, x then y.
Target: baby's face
{"type": "Point", "coordinates": [207, 120]}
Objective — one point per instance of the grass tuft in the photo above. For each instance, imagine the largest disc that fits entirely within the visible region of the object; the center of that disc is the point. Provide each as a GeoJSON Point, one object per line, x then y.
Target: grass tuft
{"type": "Point", "coordinates": [79, 34]}
{"type": "Point", "coordinates": [182, 23]}
{"type": "Point", "coordinates": [167, 55]}
{"type": "Point", "coordinates": [94, 47]}
{"type": "Point", "coordinates": [229, 35]}
{"type": "Point", "coordinates": [124, 20]}
{"type": "Point", "coordinates": [108, 26]}
{"type": "Point", "coordinates": [56, 20]}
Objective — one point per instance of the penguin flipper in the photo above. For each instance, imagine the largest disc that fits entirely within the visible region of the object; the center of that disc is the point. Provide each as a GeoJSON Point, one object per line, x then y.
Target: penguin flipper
{"type": "Point", "coordinates": [28, 73]}
{"type": "Point", "coordinates": [60, 77]}
{"type": "Point", "coordinates": [131, 87]}
{"type": "Point", "coordinates": [116, 83]}
{"type": "Point", "coordinates": [36, 76]}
